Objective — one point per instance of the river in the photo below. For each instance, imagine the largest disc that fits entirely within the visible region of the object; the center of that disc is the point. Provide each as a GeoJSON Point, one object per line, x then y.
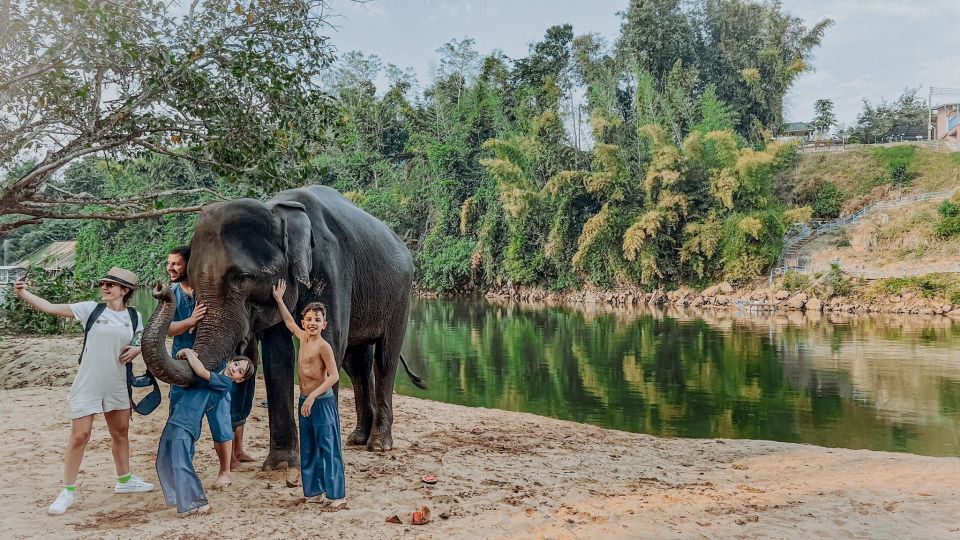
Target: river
{"type": "Point", "coordinates": [876, 382]}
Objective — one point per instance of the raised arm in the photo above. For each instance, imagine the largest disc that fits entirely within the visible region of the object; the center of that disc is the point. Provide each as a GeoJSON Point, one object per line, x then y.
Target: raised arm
{"type": "Point", "coordinates": [195, 364]}
{"type": "Point", "coordinates": [40, 304]}
{"type": "Point", "coordinates": [278, 291]}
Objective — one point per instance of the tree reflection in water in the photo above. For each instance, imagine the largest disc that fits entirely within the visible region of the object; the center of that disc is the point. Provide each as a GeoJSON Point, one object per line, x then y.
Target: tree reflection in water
{"type": "Point", "coordinates": [884, 383]}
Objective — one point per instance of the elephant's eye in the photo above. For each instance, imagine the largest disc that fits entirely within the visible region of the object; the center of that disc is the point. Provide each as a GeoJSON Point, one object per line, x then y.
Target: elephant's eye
{"type": "Point", "coordinates": [241, 277]}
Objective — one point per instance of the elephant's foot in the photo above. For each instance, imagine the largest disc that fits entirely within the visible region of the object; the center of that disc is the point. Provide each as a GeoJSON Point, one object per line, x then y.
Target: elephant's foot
{"type": "Point", "coordinates": [358, 437]}
{"type": "Point", "coordinates": [280, 459]}
{"type": "Point", "coordinates": [380, 442]}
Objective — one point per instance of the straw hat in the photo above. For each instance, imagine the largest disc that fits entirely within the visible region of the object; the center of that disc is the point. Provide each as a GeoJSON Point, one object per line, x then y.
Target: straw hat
{"type": "Point", "coordinates": [121, 277]}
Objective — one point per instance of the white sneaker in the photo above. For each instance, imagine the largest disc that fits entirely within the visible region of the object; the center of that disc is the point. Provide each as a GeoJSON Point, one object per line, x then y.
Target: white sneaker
{"type": "Point", "coordinates": [64, 500]}
{"type": "Point", "coordinates": [134, 485]}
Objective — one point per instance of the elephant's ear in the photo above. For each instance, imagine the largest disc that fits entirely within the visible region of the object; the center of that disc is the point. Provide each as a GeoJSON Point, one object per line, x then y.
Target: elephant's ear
{"type": "Point", "coordinates": [297, 235]}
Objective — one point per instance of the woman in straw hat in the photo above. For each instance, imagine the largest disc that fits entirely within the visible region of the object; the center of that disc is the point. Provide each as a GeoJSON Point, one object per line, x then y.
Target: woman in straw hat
{"type": "Point", "coordinates": [101, 384]}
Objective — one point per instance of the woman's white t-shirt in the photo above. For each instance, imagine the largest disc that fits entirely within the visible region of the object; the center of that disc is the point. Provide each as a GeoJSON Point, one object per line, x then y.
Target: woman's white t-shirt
{"type": "Point", "coordinates": [101, 382]}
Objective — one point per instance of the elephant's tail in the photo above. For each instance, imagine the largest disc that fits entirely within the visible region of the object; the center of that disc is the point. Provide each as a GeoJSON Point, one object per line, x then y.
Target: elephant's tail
{"type": "Point", "coordinates": [417, 380]}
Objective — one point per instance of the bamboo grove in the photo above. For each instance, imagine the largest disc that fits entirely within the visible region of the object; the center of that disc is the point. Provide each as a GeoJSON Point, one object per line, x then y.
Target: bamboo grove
{"type": "Point", "coordinates": [647, 161]}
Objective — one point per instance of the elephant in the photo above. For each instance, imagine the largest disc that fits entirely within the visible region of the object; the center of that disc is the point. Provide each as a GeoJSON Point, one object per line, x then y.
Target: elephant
{"type": "Point", "coordinates": [328, 250]}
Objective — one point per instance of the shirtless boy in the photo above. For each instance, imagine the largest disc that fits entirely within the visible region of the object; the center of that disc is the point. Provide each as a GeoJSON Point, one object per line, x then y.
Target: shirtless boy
{"type": "Point", "coordinates": [321, 462]}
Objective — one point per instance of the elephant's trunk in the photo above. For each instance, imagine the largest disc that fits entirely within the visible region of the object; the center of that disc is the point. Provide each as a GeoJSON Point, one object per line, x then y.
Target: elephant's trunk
{"type": "Point", "coordinates": [154, 342]}
{"type": "Point", "coordinates": [222, 329]}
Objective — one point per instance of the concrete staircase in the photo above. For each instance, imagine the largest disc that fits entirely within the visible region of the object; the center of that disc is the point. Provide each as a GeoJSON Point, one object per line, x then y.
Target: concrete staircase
{"type": "Point", "coordinates": [801, 234]}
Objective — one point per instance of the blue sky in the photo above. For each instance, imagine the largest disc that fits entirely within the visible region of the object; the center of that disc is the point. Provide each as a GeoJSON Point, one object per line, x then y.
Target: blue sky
{"type": "Point", "coordinates": [875, 49]}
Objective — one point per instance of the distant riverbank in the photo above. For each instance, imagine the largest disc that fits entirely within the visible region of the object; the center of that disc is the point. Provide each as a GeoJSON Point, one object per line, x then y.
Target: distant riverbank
{"type": "Point", "coordinates": [908, 298]}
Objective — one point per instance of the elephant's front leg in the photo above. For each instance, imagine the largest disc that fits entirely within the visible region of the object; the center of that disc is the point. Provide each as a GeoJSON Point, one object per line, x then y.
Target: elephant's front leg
{"type": "Point", "coordinates": [278, 371]}
{"type": "Point", "coordinates": [358, 363]}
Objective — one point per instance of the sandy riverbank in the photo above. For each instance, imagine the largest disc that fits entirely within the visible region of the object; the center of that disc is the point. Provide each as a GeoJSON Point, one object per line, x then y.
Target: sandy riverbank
{"type": "Point", "coordinates": [501, 474]}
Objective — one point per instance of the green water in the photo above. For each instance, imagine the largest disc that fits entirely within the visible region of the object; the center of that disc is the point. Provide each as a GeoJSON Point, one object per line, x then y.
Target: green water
{"type": "Point", "coordinates": [857, 382]}
{"type": "Point", "coordinates": [883, 383]}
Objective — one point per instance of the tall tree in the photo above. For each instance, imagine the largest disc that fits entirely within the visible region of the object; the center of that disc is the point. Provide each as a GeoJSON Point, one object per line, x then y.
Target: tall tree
{"type": "Point", "coordinates": [876, 122]}
{"type": "Point", "coordinates": [825, 117]}
{"type": "Point", "coordinates": [459, 62]}
{"type": "Point", "coordinates": [753, 51]}
{"type": "Point", "coordinates": [654, 35]}
{"type": "Point", "coordinates": [233, 87]}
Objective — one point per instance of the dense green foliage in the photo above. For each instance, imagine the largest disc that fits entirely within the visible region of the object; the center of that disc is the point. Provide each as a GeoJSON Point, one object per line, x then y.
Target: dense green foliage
{"type": "Point", "coordinates": [825, 117]}
{"type": "Point", "coordinates": [140, 246]}
{"type": "Point", "coordinates": [18, 318]}
{"type": "Point", "coordinates": [938, 285]}
{"type": "Point", "coordinates": [500, 172]}
{"type": "Point", "coordinates": [495, 176]}
{"type": "Point", "coordinates": [795, 281]}
{"type": "Point", "coordinates": [828, 201]}
{"type": "Point", "coordinates": [876, 123]}
{"type": "Point", "coordinates": [836, 282]}
{"type": "Point", "coordinates": [232, 86]}
{"type": "Point", "coordinates": [948, 221]}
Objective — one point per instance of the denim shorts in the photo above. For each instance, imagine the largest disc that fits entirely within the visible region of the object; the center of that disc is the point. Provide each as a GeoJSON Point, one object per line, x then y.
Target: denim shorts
{"type": "Point", "coordinates": [219, 419]}
{"type": "Point", "coordinates": [241, 401]}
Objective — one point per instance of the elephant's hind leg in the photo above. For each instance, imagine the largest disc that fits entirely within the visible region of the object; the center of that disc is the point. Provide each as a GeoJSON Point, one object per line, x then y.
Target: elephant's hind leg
{"type": "Point", "coordinates": [358, 363]}
{"type": "Point", "coordinates": [385, 362]}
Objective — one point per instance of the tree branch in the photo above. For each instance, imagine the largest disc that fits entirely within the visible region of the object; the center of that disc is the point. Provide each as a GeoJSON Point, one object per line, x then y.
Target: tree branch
{"type": "Point", "coordinates": [89, 199]}
{"type": "Point", "coordinates": [7, 227]}
{"type": "Point", "coordinates": [59, 159]}
{"type": "Point", "coordinates": [168, 152]}
{"type": "Point", "coordinates": [47, 214]}
{"type": "Point", "coordinates": [23, 76]}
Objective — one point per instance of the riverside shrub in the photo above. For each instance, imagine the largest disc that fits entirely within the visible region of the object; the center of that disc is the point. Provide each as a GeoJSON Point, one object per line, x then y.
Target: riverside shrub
{"type": "Point", "coordinates": [948, 223]}
{"type": "Point", "coordinates": [16, 317]}
{"type": "Point", "coordinates": [828, 201]}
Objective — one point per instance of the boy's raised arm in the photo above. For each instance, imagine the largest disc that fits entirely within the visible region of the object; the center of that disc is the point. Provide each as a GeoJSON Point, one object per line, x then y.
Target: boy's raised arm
{"type": "Point", "coordinates": [278, 291]}
{"type": "Point", "coordinates": [195, 364]}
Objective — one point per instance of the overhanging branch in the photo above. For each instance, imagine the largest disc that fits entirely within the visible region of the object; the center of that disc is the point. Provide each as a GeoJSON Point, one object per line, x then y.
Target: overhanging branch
{"type": "Point", "coordinates": [7, 227]}
{"type": "Point", "coordinates": [120, 201]}
{"type": "Point", "coordinates": [109, 216]}
{"type": "Point", "coordinates": [195, 159]}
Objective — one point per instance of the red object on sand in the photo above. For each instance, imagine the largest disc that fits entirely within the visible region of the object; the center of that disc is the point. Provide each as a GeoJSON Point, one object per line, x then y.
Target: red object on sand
{"type": "Point", "coordinates": [422, 516]}
{"type": "Point", "coordinates": [429, 479]}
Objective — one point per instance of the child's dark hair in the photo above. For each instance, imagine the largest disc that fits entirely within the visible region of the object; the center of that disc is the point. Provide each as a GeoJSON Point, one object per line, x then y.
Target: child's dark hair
{"type": "Point", "coordinates": [316, 307]}
{"type": "Point", "coordinates": [251, 369]}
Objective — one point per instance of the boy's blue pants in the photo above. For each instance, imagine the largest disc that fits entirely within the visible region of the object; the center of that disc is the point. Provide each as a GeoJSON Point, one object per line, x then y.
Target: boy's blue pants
{"type": "Point", "coordinates": [321, 463]}
{"type": "Point", "coordinates": [179, 480]}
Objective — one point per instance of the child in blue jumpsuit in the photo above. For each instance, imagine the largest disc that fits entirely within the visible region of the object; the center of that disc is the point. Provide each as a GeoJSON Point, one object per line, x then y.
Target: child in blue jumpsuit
{"type": "Point", "coordinates": [179, 480]}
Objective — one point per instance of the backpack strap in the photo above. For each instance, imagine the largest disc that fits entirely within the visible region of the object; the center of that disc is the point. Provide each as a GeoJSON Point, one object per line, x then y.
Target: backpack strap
{"type": "Point", "coordinates": [91, 320]}
{"type": "Point", "coordinates": [134, 319]}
